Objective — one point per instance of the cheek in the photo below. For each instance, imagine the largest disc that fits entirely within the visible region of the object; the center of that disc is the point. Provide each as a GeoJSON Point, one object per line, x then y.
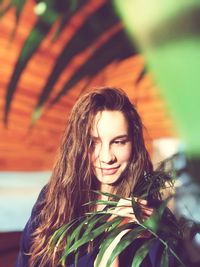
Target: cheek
{"type": "Point", "coordinates": [125, 154]}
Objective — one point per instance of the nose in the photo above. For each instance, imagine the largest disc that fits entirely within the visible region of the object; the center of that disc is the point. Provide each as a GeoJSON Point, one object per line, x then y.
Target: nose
{"type": "Point", "coordinates": [106, 155]}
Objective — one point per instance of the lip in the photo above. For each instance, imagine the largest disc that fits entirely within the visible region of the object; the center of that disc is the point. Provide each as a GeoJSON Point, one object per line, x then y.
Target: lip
{"type": "Point", "coordinates": [109, 171]}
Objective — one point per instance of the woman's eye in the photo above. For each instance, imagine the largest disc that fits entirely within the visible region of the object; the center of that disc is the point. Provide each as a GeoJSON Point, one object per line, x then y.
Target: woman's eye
{"type": "Point", "coordinates": [94, 143]}
{"type": "Point", "coordinates": [120, 142]}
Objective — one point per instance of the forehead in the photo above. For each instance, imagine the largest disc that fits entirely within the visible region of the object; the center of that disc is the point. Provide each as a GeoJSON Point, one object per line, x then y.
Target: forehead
{"type": "Point", "coordinates": [109, 123]}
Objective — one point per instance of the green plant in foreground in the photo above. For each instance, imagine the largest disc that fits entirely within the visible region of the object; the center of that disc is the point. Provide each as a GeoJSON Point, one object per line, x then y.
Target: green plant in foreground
{"type": "Point", "coordinates": [101, 227]}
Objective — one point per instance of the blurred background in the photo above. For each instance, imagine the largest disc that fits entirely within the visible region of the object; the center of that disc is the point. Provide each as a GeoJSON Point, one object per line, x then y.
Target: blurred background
{"type": "Point", "coordinates": [51, 52]}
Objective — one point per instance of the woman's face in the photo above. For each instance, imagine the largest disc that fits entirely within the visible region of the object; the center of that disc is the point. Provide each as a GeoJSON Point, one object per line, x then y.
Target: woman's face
{"type": "Point", "coordinates": [111, 147]}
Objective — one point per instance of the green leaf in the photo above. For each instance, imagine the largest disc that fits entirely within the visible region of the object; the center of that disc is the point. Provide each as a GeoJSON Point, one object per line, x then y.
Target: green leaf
{"type": "Point", "coordinates": [116, 48]}
{"type": "Point", "coordinates": [75, 234]}
{"type": "Point", "coordinates": [76, 259]}
{"type": "Point", "coordinates": [89, 222]}
{"type": "Point", "coordinates": [152, 222]}
{"type": "Point", "coordinates": [38, 33]}
{"type": "Point", "coordinates": [108, 240]}
{"type": "Point", "coordinates": [36, 36]}
{"type": "Point", "coordinates": [101, 202]}
{"type": "Point", "coordinates": [95, 25]}
{"type": "Point", "coordinates": [73, 6]}
{"type": "Point", "coordinates": [93, 221]}
{"type": "Point", "coordinates": [142, 252]}
{"type": "Point", "coordinates": [137, 210]}
{"type": "Point", "coordinates": [110, 195]}
{"type": "Point", "coordinates": [124, 243]}
{"type": "Point", "coordinates": [90, 236]}
{"type": "Point", "coordinates": [59, 233]}
{"type": "Point", "coordinates": [165, 258]}
{"type": "Point", "coordinates": [19, 4]}
{"type": "Point", "coordinates": [172, 33]}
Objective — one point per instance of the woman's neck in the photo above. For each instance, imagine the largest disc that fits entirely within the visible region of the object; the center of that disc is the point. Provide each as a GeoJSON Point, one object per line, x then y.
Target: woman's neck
{"type": "Point", "coordinates": [106, 189]}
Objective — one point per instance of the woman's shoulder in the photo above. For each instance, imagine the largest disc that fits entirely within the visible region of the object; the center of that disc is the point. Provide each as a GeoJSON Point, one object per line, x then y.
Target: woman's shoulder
{"type": "Point", "coordinates": [33, 220]}
{"type": "Point", "coordinates": [39, 202]}
{"type": "Point", "coordinates": [31, 225]}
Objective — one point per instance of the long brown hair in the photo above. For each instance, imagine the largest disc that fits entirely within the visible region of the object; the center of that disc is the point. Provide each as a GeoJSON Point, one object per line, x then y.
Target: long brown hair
{"type": "Point", "coordinates": [72, 178]}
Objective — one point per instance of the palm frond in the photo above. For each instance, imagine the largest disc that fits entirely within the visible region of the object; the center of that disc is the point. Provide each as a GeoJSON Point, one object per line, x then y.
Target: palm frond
{"type": "Point", "coordinates": [94, 26]}
{"type": "Point", "coordinates": [102, 227]}
{"type": "Point", "coordinates": [103, 56]}
{"type": "Point", "coordinates": [108, 240]}
{"type": "Point", "coordinates": [124, 243]}
{"type": "Point", "coordinates": [38, 33]}
{"type": "Point", "coordinates": [165, 259]}
{"type": "Point", "coordinates": [142, 252]}
{"type": "Point", "coordinates": [89, 237]}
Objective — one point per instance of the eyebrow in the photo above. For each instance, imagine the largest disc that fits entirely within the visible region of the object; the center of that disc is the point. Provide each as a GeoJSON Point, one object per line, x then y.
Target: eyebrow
{"type": "Point", "coordinates": [116, 137]}
{"type": "Point", "coordinates": [121, 136]}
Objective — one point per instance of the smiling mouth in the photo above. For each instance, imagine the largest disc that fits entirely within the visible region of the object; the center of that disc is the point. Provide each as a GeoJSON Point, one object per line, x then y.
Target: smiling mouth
{"type": "Point", "coordinates": [109, 171]}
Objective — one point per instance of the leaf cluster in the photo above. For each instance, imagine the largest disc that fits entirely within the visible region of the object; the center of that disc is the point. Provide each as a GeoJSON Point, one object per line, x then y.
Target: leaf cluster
{"type": "Point", "coordinates": [101, 227]}
{"type": "Point", "coordinates": [54, 16]}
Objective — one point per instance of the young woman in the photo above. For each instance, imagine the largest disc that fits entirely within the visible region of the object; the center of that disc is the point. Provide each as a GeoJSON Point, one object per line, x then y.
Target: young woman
{"type": "Point", "coordinates": [102, 149]}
